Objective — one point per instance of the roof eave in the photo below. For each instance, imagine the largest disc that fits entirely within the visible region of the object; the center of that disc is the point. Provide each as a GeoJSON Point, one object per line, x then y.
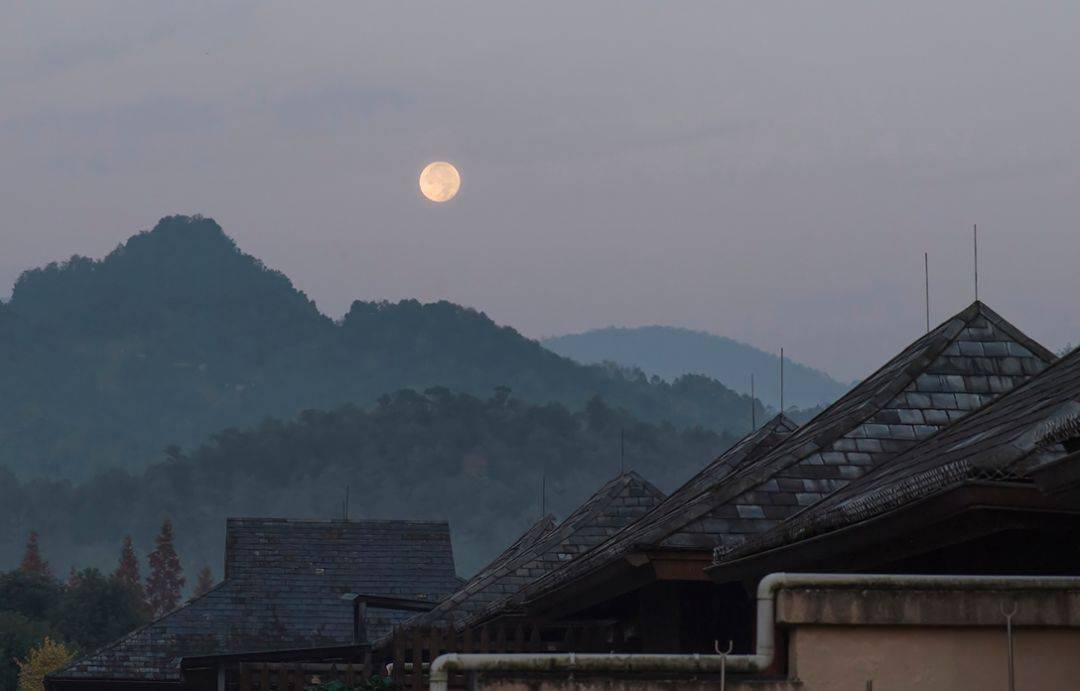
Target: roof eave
{"type": "Point", "coordinates": [939, 509]}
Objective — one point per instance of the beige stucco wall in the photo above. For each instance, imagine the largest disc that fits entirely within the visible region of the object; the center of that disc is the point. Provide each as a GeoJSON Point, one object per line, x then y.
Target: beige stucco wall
{"type": "Point", "coordinates": [900, 639]}
{"type": "Point", "coordinates": [933, 659]}
{"type": "Point", "coordinates": [895, 658]}
{"type": "Point", "coordinates": [632, 685]}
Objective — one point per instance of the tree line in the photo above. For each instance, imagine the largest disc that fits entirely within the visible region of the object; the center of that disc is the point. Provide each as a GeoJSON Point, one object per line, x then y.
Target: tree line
{"type": "Point", "coordinates": [45, 622]}
{"type": "Point", "coordinates": [477, 462]}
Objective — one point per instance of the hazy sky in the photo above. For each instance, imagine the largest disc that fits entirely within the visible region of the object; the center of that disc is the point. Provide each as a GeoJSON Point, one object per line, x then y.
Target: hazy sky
{"type": "Point", "coordinates": [767, 171]}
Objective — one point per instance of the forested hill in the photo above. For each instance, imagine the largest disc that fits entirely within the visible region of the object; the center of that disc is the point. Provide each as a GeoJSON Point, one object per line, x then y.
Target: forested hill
{"type": "Point", "coordinates": [177, 334]}
{"type": "Point", "coordinates": [671, 352]}
{"type": "Point", "coordinates": [474, 461]}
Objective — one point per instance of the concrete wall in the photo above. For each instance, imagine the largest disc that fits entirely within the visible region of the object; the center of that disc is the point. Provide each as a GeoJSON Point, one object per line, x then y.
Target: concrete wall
{"type": "Point", "coordinates": [931, 640]}
{"type": "Point", "coordinates": [894, 658]}
{"type": "Point", "coordinates": [933, 659]}
{"type": "Point", "coordinates": [588, 684]}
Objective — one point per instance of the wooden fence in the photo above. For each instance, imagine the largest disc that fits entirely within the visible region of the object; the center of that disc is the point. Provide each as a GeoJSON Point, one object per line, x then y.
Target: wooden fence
{"type": "Point", "coordinates": [409, 653]}
{"type": "Point", "coordinates": [413, 649]}
{"type": "Point", "coordinates": [300, 676]}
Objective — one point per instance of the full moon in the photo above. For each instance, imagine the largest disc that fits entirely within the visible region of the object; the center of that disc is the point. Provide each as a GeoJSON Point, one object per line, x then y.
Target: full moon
{"type": "Point", "coordinates": [439, 181]}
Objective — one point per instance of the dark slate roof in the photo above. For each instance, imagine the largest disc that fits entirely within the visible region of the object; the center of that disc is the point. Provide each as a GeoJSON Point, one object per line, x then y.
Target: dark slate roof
{"type": "Point", "coordinates": [958, 367]}
{"type": "Point", "coordinates": [283, 585]}
{"type": "Point", "coordinates": [1016, 434]}
{"type": "Point", "coordinates": [675, 519]}
{"type": "Point", "coordinates": [614, 506]}
{"type": "Point", "coordinates": [530, 538]}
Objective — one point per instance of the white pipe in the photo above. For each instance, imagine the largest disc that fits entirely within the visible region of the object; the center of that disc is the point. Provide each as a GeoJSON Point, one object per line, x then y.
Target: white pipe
{"type": "Point", "coordinates": [765, 647]}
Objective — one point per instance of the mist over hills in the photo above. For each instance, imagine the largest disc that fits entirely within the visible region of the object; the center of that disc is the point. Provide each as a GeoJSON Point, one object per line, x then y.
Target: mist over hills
{"type": "Point", "coordinates": [177, 334]}
{"type": "Point", "coordinates": [671, 352]}
{"type": "Point", "coordinates": [476, 462]}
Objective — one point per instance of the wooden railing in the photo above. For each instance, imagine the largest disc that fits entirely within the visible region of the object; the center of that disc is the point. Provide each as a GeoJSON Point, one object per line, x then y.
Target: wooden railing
{"type": "Point", "coordinates": [407, 655]}
{"type": "Point", "coordinates": [300, 676]}
{"type": "Point", "coordinates": [413, 649]}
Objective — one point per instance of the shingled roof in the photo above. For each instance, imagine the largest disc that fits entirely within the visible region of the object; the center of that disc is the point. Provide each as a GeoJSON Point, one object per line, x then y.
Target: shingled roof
{"type": "Point", "coordinates": [958, 367]}
{"type": "Point", "coordinates": [283, 585]}
{"type": "Point", "coordinates": [618, 503]}
{"type": "Point", "coordinates": [1014, 436]}
{"type": "Point", "coordinates": [536, 532]}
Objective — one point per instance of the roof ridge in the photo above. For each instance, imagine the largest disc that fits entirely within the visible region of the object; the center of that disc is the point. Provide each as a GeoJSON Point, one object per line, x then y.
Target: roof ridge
{"type": "Point", "coordinates": [645, 521]}
{"type": "Point", "coordinates": [584, 516]}
{"type": "Point", "coordinates": [844, 416]}
{"type": "Point", "coordinates": [334, 521]}
{"type": "Point", "coordinates": [798, 526]}
{"type": "Point", "coordinates": [534, 533]}
{"type": "Point", "coordinates": [609, 491]}
{"type": "Point", "coordinates": [639, 479]}
{"type": "Point", "coordinates": [924, 343]}
{"type": "Point", "coordinates": [930, 352]}
{"type": "Point", "coordinates": [1016, 334]}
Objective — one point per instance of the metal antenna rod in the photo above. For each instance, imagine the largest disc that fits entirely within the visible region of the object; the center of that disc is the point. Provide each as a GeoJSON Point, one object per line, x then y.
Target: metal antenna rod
{"type": "Point", "coordinates": [781, 380]}
{"type": "Point", "coordinates": [753, 405]}
{"type": "Point", "coordinates": [926, 274]}
{"type": "Point", "coordinates": [543, 494]}
{"type": "Point", "coordinates": [975, 238]}
{"type": "Point", "coordinates": [622, 451]}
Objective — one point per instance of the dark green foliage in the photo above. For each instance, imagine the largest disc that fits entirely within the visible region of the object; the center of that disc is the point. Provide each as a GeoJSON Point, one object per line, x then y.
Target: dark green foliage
{"type": "Point", "coordinates": [96, 609]}
{"type": "Point", "coordinates": [436, 455]}
{"type": "Point", "coordinates": [177, 334]}
{"type": "Point", "coordinates": [29, 594]}
{"type": "Point", "coordinates": [157, 343]}
{"type": "Point", "coordinates": [18, 634]}
{"type": "Point", "coordinates": [86, 613]}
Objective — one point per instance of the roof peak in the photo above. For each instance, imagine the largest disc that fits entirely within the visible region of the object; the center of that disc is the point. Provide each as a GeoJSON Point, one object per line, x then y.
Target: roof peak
{"type": "Point", "coordinates": [608, 492]}
{"type": "Point", "coordinates": [1010, 436]}
{"type": "Point", "coordinates": [630, 474]}
{"type": "Point", "coordinates": [980, 308]}
{"type": "Point", "coordinates": [778, 420]}
{"type": "Point", "coordinates": [877, 389]}
{"type": "Point", "coordinates": [611, 507]}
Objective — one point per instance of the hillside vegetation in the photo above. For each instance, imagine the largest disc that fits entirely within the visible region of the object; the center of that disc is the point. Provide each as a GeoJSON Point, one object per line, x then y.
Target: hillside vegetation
{"type": "Point", "coordinates": [177, 334]}
{"type": "Point", "coordinates": [477, 462]}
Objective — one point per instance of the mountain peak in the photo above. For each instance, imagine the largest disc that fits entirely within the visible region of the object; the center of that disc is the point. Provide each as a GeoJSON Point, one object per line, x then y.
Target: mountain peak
{"type": "Point", "coordinates": [185, 265]}
{"type": "Point", "coordinates": [185, 234]}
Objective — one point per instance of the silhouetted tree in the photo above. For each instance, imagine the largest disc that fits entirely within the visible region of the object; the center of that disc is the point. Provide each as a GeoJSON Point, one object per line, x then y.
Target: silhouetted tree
{"type": "Point", "coordinates": [166, 579]}
{"type": "Point", "coordinates": [204, 582]}
{"type": "Point", "coordinates": [96, 609]}
{"type": "Point", "coordinates": [127, 571]}
{"type": "Point", "coordinates": [32, 561]}
{"type": "Point", "coordinates": [30, 594]}
{"type": "Point", "coordinates": [18, 636]}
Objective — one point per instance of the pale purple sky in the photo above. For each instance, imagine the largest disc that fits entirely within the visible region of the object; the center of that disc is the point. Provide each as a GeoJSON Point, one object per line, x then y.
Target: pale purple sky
{"type": "Point", "coordinates": [770, 171]}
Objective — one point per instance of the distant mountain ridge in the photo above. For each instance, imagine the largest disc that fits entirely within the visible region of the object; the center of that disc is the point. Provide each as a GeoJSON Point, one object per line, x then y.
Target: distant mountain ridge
{"type": "Point", "coordinates": [178, 334]}
{"type": "Point", "coordinates": [670, 352]}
